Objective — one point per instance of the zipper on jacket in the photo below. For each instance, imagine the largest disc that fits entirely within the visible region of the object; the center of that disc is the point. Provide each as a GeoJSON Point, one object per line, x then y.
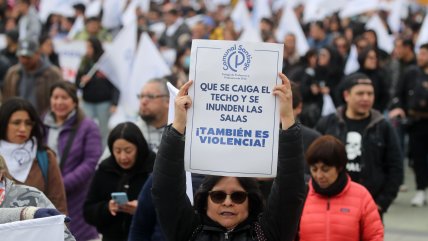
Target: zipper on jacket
{"type": "Point", "coordinates": [226, 235]}
{"type": "Point", "coordinates": [328, 220]}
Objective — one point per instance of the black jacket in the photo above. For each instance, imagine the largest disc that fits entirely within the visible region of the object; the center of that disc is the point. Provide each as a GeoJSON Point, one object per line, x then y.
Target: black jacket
{"type": "Point", "coordinates": [381, 158]}
{"type": "Point", "coordinates": [178, 219]}
{"type": "Point", "coordinates": [110, 177]}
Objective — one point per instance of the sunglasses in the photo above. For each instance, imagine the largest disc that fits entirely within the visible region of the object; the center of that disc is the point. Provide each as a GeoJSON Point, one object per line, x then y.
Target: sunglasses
{"type": "Point", "coordinates": [237, 197]}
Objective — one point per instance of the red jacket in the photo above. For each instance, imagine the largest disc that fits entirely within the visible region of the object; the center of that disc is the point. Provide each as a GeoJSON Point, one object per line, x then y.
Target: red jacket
{"type": "Point", "coordinates": [352, 215]}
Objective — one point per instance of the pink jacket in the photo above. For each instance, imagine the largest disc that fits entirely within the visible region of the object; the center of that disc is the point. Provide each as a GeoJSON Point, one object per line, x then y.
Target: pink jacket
{"type": "Point", "coordinates": [352, 215]}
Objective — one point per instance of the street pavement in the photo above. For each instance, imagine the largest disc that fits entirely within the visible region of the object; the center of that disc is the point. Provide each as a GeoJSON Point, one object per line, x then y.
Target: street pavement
{"type": "Point", "coordinates": [404, 222]}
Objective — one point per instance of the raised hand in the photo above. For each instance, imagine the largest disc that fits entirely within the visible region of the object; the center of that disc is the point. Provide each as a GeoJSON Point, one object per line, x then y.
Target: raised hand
{"type": "Point", "coordinates": [182, 104]}
{"type": "Point", "coordinates": [285, 96]}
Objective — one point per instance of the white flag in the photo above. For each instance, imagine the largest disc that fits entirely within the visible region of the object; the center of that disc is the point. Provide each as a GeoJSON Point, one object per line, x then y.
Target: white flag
{"type": "Point", "coordinates": [129, 15]}
{"type": "Point", "coordinates": [117, 59]}
{"type": "Point", "coordinates": [384, 40]}
{"type": "Point", "coordinates": [148, 64]}
{"type": "Point", "coordinates": [394, 17]}
{"type": "Point", "coordinates": [423, 34]}
{"type": "Point", "coordinates": [78, 26]}
{"type": "Point", "coordinates": [46, 229]}
{"type": "Point", "coordinates": [356, 7]}
{"type": "Point", "coordinates": [352, 64]}
{"type": "Point", "coordinates": [250, 34]}
{"type": "Point", "coordinates": [290, 24]}
{"type": "Point", "coordinates": [93, 9]}
{"type": "Point", "coordinates": [261, 10]}
{"type": "Point", "coordinates": [241, 16]}
{"type": "Point", "coordinates": [112, 13]}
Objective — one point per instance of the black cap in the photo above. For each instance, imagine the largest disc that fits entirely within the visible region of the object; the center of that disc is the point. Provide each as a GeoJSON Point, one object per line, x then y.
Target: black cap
{"type": "Point", "coordinates": [355, 79]}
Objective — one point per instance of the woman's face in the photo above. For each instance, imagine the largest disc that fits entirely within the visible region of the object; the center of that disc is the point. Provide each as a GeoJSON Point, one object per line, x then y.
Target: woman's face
{"type": "Point", "coordinates": [19, 127]}
{"type": "Point", "coordinates": [61, 103]}
{"type": "Point", "coordinates": [227, 213]}
{"type": "Point", "coordinates": [125, 153]}
{"type": "Point", "coordinates": [323, 174]}
{"type": "Point", "coordinates": [323, 57]}
{"type": "Point", "coordinates": [371, 60]}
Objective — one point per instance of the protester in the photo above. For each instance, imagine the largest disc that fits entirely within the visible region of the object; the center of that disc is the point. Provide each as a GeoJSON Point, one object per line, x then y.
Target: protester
{"type": "Point", "coordinates": [369, 65]}
{"type": "Point", "coordinates": [336, 208]}
{"type": "Point", "coordinates": [77, 141]}
{"type": "Point", "coordinates": [31, 202]}
{"type": "Point", "coordinates": [229, 207]}
{"type": "Point", "coordinates": [93, 29]}
{"type": "Point", "coordinates": [32, 77]}
{"type": "Point", "coordinates": [374, 155]}
{"type": "Point", "coordinates": [154, 105]}
{"type": "Point", "coordinates": [126, 170]}
{"type": "Point", "coordinates": [100, 96]}
{"type": "Point", "coordinates": [411, 102]}
{"type": "Point", "coordinates": [28, 160]}
{"type": "Point", "coordinates": [47, 50]}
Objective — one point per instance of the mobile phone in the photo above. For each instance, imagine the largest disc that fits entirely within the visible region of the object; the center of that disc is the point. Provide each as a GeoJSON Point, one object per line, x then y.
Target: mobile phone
{"type": "Point", "coordinates": [119, 197]}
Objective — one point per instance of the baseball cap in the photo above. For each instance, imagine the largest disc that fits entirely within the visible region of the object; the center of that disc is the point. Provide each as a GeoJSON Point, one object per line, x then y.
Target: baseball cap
{"type": "Point", "coordinates": [355, 79]}
{"type": "Point", "coordinates": [27, 47]}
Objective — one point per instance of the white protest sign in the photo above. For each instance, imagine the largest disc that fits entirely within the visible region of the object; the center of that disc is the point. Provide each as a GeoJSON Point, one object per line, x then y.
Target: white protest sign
{"type": "Point", "coordinates": [233, 125]}
{"type": "Point", "coordinates": [70, 55]}
{"type": "Point", "coordinates": [46, 229]}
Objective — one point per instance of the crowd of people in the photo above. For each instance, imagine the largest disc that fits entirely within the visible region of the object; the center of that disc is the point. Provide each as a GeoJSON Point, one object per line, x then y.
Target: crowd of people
{"type": "Point", "coordinates": [359, 126]}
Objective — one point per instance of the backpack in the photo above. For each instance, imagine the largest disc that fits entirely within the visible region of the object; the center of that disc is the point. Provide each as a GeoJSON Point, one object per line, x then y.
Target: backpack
{"type": "Point", "coordinates": [43, 161]}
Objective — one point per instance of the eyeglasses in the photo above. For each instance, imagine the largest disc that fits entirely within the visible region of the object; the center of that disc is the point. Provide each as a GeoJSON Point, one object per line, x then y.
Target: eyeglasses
{"type": "Point", "coordinates": [150, 96]}
{"type": "Point", "coordinates": [237, 197]}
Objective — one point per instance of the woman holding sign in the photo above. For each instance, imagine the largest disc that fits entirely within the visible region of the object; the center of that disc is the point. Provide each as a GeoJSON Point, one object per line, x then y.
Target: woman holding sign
{"type": "Point", "coordinates": [230, 207]}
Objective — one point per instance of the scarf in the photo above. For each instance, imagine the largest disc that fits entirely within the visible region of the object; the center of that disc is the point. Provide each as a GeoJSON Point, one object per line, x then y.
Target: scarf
{"type": "Point", "coordinates": [335, 188]}
{"type": "Point", "coordinates": [19, 157]}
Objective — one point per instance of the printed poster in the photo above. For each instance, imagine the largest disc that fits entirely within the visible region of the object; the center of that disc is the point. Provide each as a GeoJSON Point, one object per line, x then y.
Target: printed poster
{"type": "Point", "coordinates": [233, 125]}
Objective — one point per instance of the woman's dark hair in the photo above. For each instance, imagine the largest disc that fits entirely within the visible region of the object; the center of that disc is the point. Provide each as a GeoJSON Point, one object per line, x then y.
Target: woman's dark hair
{"type": "Point", "coordinates": [328, 150]}
{"type": "Point", "coordinates": [250, 185]}
{"type": "Point", "coordinates": [131, 133]}
{"type": "Point", "coordinates": [13, 105]}
{"type": "Point", "coordinates": [364, 54]}
{"type": "Point", "coordinates": [71, 91]}
{"type": "Point", "coordinates": [97, 46]}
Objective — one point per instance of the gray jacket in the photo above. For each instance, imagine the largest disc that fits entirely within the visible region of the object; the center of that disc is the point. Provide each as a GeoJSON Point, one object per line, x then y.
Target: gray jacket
{"type": "Point", "coordinates": [20, 196]}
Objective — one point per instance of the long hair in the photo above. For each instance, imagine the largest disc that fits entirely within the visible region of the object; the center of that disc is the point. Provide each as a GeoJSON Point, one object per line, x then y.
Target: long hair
{"type": "Point", "coordinates": [131, 133]}
{"type": "Point", "coordinates": [71, 91]}
{"type": "Point", "coordinates": [13, 105]}
{"type": "Point", "coordinates": [97, 46]}
{"type": "Point", "coordinates": [250, 185]}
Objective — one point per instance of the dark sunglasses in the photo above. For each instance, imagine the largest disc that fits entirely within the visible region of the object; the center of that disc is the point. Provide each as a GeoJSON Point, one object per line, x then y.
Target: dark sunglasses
{"type": "Point", "coordinates": [237, 197]}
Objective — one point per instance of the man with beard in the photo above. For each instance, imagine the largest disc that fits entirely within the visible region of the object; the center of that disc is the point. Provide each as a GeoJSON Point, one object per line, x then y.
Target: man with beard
{"type": "Point", "coordinates": [154, 103]}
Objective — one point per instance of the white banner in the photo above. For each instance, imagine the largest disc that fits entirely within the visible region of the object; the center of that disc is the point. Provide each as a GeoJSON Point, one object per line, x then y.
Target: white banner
{"type": "Point", "coordinates": [70, 54]}
{"type": "Point", "coordinates": [46, 229]}
{"type": "Point", "coordinates": [233, 125]}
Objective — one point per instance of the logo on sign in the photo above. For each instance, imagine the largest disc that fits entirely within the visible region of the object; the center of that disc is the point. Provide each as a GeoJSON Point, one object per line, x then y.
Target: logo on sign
{"type": "Point", "coordinates": [236, 57]}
